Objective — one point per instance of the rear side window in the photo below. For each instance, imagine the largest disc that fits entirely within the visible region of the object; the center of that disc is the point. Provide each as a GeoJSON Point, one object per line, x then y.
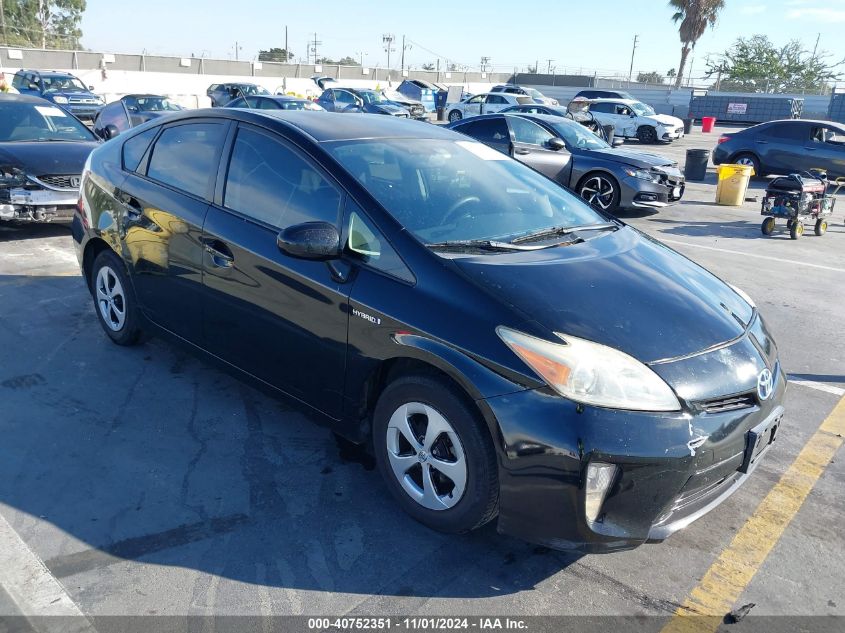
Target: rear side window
{"type": "Point", "coordinates": [496, 99]}
{"type": "Point", "coordinates": [797, 132]}
{"type": "Point", "coordinates": [603, 107]}
{"type": "Point", "coordinates": [135, 148]}
{"type": "Point", "coordinates": [269, 182]}
{"type": "Point", "coordinates": [185, 156]}
{"type": "Point", "coordinates": [492, 132]}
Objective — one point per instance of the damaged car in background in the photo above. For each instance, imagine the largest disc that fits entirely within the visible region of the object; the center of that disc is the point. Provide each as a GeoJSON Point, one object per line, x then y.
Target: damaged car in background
{"type": "Point", "coordinates": [43, 150]}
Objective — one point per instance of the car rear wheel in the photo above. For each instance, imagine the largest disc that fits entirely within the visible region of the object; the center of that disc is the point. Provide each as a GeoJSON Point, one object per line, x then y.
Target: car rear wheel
{"type": "Point", "coordinates": [601, 191]}
{"type": "Point", "coordinates": [749, 160]}
{"type": "Point", "coordinates": [647, 134]}
{"type": "Point", "coordinates": [113, 299]}
{"type": "Point", "coordinates": [455, 115]}
{"type": "Point", "coordinates": [435, 454]}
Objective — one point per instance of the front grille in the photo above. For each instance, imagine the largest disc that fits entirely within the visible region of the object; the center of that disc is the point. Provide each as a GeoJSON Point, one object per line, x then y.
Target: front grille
{"type": "Point", "coordinates": [86, 100]}
{"type": "Point", "coordinates": [729, 403]}
{"type": "Point", "coordinates": [60, 182]}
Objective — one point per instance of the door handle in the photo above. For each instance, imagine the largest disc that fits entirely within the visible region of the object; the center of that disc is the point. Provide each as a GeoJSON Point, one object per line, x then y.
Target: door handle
{"type": "Point", "coordinates": [221, 256]}
{"type": "Point", "coordinates": [521, 151]}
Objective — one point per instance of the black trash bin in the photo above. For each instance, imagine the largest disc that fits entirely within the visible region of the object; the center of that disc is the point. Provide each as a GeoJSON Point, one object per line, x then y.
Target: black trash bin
{"type": "Point", "coordinates": [608, 133]}
{"type": "Point", "coordinates": [688, 125]}
{"type": "Point", "coordinates": [441, 114]}
{"type": "Point", "coordinates": [696, 165]}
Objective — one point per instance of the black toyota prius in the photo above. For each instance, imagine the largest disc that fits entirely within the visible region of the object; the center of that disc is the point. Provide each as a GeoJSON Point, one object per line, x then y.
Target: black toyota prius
{"type": "Point", "coordinates": [507, 351]}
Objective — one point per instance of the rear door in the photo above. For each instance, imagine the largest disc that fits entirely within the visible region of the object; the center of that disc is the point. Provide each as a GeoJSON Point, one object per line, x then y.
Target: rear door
{"type": "Point", "coordinates": [531, 146]}
{"type": "Point", "coordinates": [165, 199]}
{"type": "Point", "coordinates": [279, 318]}
{"type": "Point", "coordinates": [781, 147]}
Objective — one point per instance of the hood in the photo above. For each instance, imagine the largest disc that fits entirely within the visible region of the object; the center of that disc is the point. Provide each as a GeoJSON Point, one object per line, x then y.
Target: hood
{"type": "Point", "coordinates": [43, 158]}
{"type": "Point", "coordinates": [643, 160]}
{"type": "Point", "coordinates": [622, 289]}
{"type": "Point", "coordinates": [386, 108]}
{"type": "Point", "coordinates": [665, 119]}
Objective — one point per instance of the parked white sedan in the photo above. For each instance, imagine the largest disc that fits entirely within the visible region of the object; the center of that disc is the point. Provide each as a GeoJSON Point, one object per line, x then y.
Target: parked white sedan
{"type": "Point", "coordinates": [484, 103]}
{"type": "Point", "coordinates": [635, 119]}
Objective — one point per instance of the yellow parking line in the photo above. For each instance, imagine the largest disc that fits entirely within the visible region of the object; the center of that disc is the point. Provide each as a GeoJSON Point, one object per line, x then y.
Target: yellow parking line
{"type": "Point", "coordinates": [723, 584]}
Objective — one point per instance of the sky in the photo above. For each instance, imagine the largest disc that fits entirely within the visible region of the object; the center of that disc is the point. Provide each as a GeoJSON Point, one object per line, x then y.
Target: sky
{"type": "Point", "coordinates": [585, 36]}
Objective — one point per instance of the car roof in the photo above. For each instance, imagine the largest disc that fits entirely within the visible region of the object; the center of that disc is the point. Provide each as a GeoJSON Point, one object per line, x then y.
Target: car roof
{"type": "Point", "coordinates": [24, 99]}
{"type": "Point", "coordinates": [615, 100]}
{"type": "Point", "coordinates": [327, 126]}
{"type": "Point", "coordinates": [144, 95]}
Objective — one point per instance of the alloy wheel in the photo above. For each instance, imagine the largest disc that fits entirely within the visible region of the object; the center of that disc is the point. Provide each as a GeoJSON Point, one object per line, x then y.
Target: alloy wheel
{"type": "Point", "coordinates": [598, 191]}
{"type": "Point", "coordinates": [426, 456]}
{"type": "Point", "coordinates": [111, 299]}
{"type": "Point", "coordinates": [746, 161]}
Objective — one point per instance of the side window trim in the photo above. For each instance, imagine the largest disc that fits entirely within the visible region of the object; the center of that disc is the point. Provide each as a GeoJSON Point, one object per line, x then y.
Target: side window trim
{"type": "Point", "coordinates": [141, 169]}
{"type": "Point", "coordinates": [144, 165]}
{"type": "Point", "coordinates": [226, 159]}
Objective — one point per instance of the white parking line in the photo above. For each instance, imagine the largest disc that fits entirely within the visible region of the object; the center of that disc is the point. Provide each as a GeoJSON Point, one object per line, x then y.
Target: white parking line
{"type": "Point", "coordinates": [746, 254]}
{"type": "Point", "coordinates": [35, 591]}
{"type": "Point", "coordinates": [819, 386]}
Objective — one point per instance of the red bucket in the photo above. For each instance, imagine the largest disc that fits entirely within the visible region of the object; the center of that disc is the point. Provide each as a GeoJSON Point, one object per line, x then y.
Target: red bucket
{"type": "Point", "coordinates": [707, 123]}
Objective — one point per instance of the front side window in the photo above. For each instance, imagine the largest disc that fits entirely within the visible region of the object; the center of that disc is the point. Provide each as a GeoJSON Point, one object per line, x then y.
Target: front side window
{"type": "Point", "coordinates": [525, 131]}
{"type": "Point", "coordinates": [444, 190]}
{"type": "Point", "coordinates": [341, 96]}
{"type": "Point", "coordinates": [576, 135]}
{"type": "Point", "coordinates": [267, 181]}
{"type": "Point", "coordinates": [642, 109]}
{"type": "Point", "coordinates": [185, 156]}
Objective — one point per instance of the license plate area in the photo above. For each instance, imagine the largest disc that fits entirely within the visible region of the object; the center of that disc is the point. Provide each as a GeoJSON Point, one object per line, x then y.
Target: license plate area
{"type": "Point", "coordinates": [758, 441]}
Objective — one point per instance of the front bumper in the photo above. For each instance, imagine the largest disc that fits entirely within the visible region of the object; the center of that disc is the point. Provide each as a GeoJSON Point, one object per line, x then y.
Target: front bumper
{"type": "Point", "coordinates": [670, 134]}
{"type": "Point", "coordinates": [672, 468]}
{"type": "Point", "coordinates": [37, 205]}
{"type": "Point", "coordinates": [639, 193]}
{"type": "Point", "coordinates": [83, 111]}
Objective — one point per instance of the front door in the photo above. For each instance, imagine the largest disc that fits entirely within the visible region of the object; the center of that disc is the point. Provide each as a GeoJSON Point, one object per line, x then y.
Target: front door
{"type": "Point", "coordinates": [281, 319]}
{"type": "Point", "coordinates": [531, 146]}
{"type": "Point", "coordinates": [164, 205]}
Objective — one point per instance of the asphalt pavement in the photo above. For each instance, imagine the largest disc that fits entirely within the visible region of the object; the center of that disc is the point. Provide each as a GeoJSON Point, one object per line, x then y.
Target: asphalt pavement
{"type": "Point", "coordinates": [142, 481]}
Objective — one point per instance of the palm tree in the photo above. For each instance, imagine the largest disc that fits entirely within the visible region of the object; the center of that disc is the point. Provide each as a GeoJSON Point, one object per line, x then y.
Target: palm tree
{"type": "Point", "coordinates": [694, 17]}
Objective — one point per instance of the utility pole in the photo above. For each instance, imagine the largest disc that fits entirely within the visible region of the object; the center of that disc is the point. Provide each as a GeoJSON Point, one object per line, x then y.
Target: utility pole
{"type": "Point", "coordinates": [387, 41]}
{"type": "Point", "coordinates": [812, 59]}
{"type": "Point", "coordinates": [633, 50]}
{"type": "Point", "coordinates": [237, 48]}
{"type": "Point", "coordinates": [287, 53]}
{"type": "Point", "coordinates": [405, 47]}
{"type": "Point", "coordinates": [550, 66]}
{"type": "Point", "coordinates": [313, 45]}
{"type": "Point", "coordinates": [484, 62]}
{"type": "Point", "coordinates": [361, 55]}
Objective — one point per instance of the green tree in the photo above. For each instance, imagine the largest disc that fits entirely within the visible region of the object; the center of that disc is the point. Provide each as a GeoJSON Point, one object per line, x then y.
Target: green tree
{"type": "Point", "coordinates": [44, 24]}
{"type": "Point", "coordinates": [348, 61]}
{"type": "Point", "coordinates": [653, 77]}
{"type": "Point", "coordinates": [693, 17]}
{"type": "Point", "coordinates": [428, 66]}
{"type": "Point", "coordinates": [756, 64]}
{"type": "Point", "coordinates": [272, 54]}
{"type": "Point", "coordinates": [671, 73]}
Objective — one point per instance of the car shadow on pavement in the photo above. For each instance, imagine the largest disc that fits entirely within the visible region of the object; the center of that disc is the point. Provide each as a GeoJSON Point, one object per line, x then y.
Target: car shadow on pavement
{"type": "Point", "coordinates": [742, 229]}
{"type": "Point", "coordinates": [149, 454]}
{"type": "Point", "coordinates": [14, 232]}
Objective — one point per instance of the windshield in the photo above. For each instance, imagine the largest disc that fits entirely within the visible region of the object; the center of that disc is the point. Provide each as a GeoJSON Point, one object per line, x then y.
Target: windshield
{"type": "Point", "coordinates": [31, 122]}
{"type": "Point", "coordinates": [393, 95]}
{"type": "Point", "coordinates": [154, 104]}
{"type": "Point", "coordinates": [371, 96]}
{"type": "Point", "coordinates": [535, 93]}
{"type": "Point", "coordinates": [447, 190]}
{"type": "Point", "coordinates": [576, 135]}
{"type": "Point", "coordinates": [60, 83]}
{"type": "Point", "coordinates": [642, 109]}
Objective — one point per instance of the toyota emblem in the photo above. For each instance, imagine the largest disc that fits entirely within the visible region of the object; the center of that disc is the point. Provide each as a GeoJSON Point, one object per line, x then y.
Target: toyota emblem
{"type": "Point", "coordinates": [765, 384]}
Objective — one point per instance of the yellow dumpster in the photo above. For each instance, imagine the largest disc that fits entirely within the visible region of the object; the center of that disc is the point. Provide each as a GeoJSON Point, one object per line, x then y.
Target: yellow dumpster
{"type": "Point", "coordinates": [733, 183]}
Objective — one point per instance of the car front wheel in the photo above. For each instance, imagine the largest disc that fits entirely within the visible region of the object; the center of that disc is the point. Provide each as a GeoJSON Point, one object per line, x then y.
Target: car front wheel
{"type": "Point", "coordinates": [455, 115]}
{"type": "Point", "coordinates": [601, 191]}
{"type": "Point", "coordinates": [113, 299]}
{"type": "Point", "coordinates": [435, 454]}
{"type": "Point", "coordinates": [647, 134]}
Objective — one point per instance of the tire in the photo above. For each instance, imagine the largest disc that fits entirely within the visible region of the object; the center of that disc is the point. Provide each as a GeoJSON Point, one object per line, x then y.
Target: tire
{"type": "Point", "coordinates": [600, 190]}
{"type": "Point", "coordinates": [114, 301]}
{"type": "Point", "coordinates": [821, 227]}
{"type": "Point", "coordinates": [768, 226]}
{"type": "Point", "coordinates": [468, 497]}
{"type": "Point", "coordinates": [796, 230]}
{"type": "Point", "coordinates": [647, 134]}
{"type": "Point", "coordinates": [455, 115]}
{"type": "Point", "coordinates": [751, 160]}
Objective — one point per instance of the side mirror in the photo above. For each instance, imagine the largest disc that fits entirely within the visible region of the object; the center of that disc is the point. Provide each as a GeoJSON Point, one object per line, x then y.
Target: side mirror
{"type": "Point", "coordinates": [33, 87]}
{"type": "Point", "coordinates": [319, 241]}
{"type": "Point", "coordinates": [110, 131]}
{"type": "Point", "coordinates": [618, 141]}
{"type": "Point", "coordinates": [91, 88]}
{"type": "Point", "coordinates": [556, 144]}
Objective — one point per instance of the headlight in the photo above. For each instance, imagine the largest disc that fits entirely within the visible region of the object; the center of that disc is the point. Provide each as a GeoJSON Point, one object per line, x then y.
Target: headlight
{"type": "Point", "coordinates": [59, 99]}
{"type": "Point", "coordinates": [643, 174]}
{"type": "Point", "coordinates": [591, 373]}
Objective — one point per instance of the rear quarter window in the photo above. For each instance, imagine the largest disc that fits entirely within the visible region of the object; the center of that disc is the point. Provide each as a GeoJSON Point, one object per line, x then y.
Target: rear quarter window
{"type": "Point", "coordinates": [134, 149]}
{"type": "Point", "coordinates": [185, 156]}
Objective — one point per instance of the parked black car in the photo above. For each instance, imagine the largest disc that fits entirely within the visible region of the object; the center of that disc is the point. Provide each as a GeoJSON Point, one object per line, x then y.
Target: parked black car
{"type": "Point", "coordinates": [42, 152]}
{"type": "Point", "coordinates": [355, 100]}
{"type": "Point", "coordinates": [593, 93]}
{"type": "Point", "coordinates": [565, 151]}
{"type": "Point", "coordinates": [274, 102]}
{"type": "Point", "coordinates": [505, 349]}
{"type": "Point", "coordinates": [221, 94]}
{"type": "Point", "coordinates": [130, 111]}
{"type": "Point", "coordinates": [61, 88]}
{"type": "Point", "coordinates": [785, 147]}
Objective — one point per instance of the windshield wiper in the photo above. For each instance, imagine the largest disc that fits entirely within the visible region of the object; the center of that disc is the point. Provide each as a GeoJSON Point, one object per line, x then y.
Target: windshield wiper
{"type": "Point", "coordinates": [484, 245]}
{"type": "Point", "coordinates": [556, 231]}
